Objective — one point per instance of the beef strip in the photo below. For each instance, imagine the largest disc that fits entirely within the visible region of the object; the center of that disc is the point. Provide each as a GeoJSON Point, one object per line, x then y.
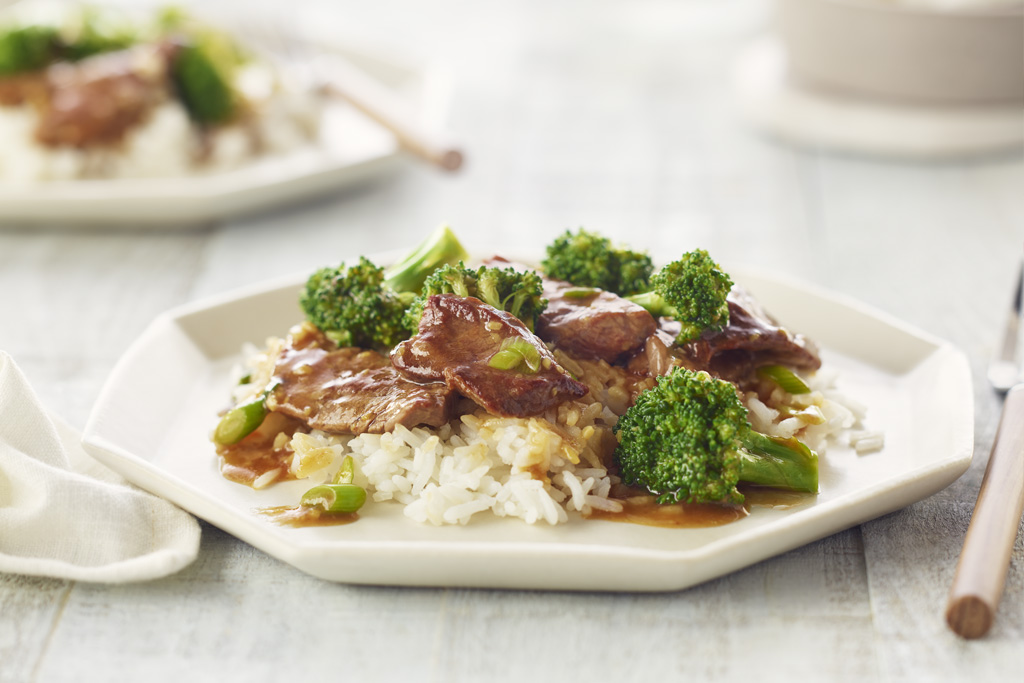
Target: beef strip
{"type": "Point", "coordinates": [457, 338]}
{"type": "Point", "coordinates": [96, 101]}
{"type": "Point", "coordinates": [350, 390]}
{"type": "Point", "coordinates": [750, 340]}
{"type": "Point", "coordinates": [600, 326]}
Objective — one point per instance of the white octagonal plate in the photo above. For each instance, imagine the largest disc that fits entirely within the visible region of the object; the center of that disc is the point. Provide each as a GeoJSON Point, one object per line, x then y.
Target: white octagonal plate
{"type": "Point", "coordinates": [152, 421]}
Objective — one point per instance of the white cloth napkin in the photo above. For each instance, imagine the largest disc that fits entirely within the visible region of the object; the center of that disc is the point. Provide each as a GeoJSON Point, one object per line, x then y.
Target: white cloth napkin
{"type": "Point", "coordinates": [64, 515]}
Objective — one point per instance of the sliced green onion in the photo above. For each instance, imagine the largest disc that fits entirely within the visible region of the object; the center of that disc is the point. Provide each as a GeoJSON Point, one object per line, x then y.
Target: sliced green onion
{"type": "Point", "coordinates": [531, 356]}
{"type": "Point", "coordinates": [335, 497]}
{"type": "Point", "coordinates": [244, 379]}
{"type": "Point", "coordinates": [347, 472]}
{"type": "Point", "coordinates": [516, 353]}
{"type": "Point", "coordinates": [505, 360]}
{"type": "Point", "coordinates": [240, 421]}
{"type": "Point", "coordinates": [785, 378]}
{"type": "Point", "coordinates": [579, 292]}
{"type": "Point", "coordinates": [812, 415]}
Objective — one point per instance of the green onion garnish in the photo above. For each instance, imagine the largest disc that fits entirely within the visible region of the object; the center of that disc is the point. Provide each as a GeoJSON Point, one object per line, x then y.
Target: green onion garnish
{"type": "Point", "coordinates": [785, 378]}
{"type": "Point", "coordinates": [516, 353]}
{"type": "Point", "coordinates": [335, 497]}
{"type": "Point", "coordinates": [240, 421]}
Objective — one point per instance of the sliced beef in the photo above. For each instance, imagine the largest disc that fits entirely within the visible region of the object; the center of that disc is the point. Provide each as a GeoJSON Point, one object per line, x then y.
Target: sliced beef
{"type": "Point", "coordinates": [98, 100]}
{"type": "Point", "coordinates": [350, 390]}
{"type": "Point", "coordinates": [457, 338]}
{"type": "Point", "coordinates": [658, 354]}
{"type": "Point", "coordinates": [601, 326]}
{"type": "Point", "coordinates": [750, 340]}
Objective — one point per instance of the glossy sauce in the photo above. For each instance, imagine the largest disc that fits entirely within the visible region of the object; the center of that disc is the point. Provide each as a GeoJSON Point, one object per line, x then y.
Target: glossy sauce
{"type": "Point", "coordinates": [303, 516]}
{"type": "Point", "coordinates": [645, 510]}
{"type": "Point", "coordinates": [255, 455]}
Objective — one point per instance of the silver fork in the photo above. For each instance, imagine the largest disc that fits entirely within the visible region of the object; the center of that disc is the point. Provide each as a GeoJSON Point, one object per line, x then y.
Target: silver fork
{"type": "Point", "coordinates": [1004, 370]}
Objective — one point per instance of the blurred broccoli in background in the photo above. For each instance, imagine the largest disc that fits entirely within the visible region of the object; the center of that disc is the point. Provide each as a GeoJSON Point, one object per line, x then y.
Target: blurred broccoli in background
{"type": "Point", "coordinates": [693, 291]}
{"type": "Point", "coordinates": [204, 68]}
{"type": "Point", "coordinates": [687, 439]}
{"type": "Point", "coordinates": [26, 48]}
{"type": "Point", "coordinates": [85, 32]}
{"type": "Point", "coordinates": [203, 85]}
{"type": "Point", "coordinates": [587, 259]}
{"type": "Point", "coordinates": [506, 289]}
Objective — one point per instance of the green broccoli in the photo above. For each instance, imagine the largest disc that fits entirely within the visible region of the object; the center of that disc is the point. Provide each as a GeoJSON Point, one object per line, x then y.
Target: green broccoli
{"type": "Point", "coordinates": [204, 85]}
{"type": "Point", "coordinates": [204, 68]}
{"type": "Point", "coordinates": [441, 248]}
{"type": "Point", "coordinates": [85, 32]}
{"type": "Point", "coordinates": [687, 439]}
{"type": "Point", "coordinates": [517, 292]}
{"type": "Point", "coordinates": [362, 306]}
{"type": "Point", "coordinates": [587, 259]}
{"type": "Point", "coordinates": [693, 291]}
{"type": "Point", "coordinates": [26, 48]}
{"type": "Point", "coordinates": [353, 307]}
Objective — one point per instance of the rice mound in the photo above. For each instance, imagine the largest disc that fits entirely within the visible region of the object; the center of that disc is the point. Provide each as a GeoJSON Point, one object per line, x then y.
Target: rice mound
{"type": "Point", "coordinates": [538, 469]}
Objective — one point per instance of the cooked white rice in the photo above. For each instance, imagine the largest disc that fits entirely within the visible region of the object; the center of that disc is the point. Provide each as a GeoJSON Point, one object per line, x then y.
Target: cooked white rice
{"type": "Point", "coordinates": [538, 469]}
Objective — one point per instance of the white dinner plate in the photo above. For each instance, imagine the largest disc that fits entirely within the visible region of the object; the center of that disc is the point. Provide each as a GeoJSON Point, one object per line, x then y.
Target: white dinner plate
{"type": "Point", "coordinates": [154, 416]}
{"type": "Point", "coordinates": [350, 149]}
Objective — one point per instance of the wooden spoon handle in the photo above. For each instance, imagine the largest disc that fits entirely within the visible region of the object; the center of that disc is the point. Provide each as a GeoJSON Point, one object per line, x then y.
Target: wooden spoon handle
{"type": "Point", "coordinates": [981, 571]}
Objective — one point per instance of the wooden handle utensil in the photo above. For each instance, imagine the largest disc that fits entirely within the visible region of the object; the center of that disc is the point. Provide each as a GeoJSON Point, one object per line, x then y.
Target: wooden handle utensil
{"type": "Point", "coordinates": [981, 571]}
{"type": "Point", "coordinates": [380, 104]}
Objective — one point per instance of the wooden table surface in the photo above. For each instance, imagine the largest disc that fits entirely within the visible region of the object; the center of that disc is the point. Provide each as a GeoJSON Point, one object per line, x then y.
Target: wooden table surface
{"type": "Point", "coordinates": [617, 116]}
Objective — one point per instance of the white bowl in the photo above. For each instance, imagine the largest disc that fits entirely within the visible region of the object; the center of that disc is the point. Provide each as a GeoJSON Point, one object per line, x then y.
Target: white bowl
{"type": "Point", "coordinates": [902, 51]}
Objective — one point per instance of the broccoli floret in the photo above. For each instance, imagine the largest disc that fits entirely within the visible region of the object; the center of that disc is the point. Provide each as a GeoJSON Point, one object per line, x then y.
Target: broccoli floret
{"type": "Point", "coordinates": [26, 48]}
{"type": "Point", "coordinates": [692, 290]}
{"type": "Point", "coordinates": [517, 292]}
{"type": "Point", "coordinates": [362, 306]}
{"type": "Point", "coordinates": [85, 32]}
{"type": "Point", "coordinates": [587, 259]}
{"type": "Point", "coordinates": [441, 248]}
{"type": "Point", "coordinates": [353, 307]}
{"type": "Point", "coordinates": [204, 68]}
{"type": "Point", "coordinates": [203, 85]}
{"type": "Point", "coordinates": [687, 439]}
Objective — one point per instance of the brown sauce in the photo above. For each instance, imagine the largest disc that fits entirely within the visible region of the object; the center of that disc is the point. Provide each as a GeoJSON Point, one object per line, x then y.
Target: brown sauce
{"type": "Point", "coordinates": [255, 455]}
{"type": "Point", "coordinates": [303, 516]}
{"type": "Point", "coordinates": [645, 510]}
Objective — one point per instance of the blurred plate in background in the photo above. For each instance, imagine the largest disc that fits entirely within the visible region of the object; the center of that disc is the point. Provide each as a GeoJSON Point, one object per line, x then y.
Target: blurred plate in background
{"type": "Point", "coordinates": [351, 149]}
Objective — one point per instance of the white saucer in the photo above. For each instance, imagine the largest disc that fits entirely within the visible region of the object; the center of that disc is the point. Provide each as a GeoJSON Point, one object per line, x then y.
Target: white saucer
{"type": "Point", "coordinates": [770, 99]}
